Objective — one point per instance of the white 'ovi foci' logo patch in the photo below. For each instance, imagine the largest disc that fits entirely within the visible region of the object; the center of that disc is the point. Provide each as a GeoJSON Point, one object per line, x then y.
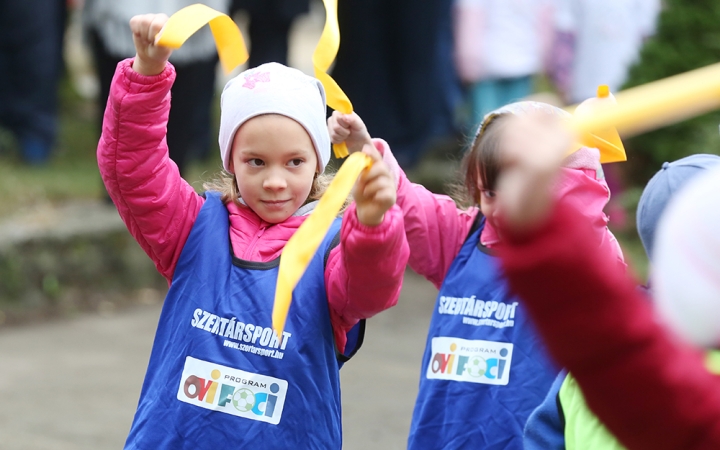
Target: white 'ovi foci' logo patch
{"type": "Point", "coordinates": [232, 391]}
{"type": "Point", "coordinates": [485, 362]}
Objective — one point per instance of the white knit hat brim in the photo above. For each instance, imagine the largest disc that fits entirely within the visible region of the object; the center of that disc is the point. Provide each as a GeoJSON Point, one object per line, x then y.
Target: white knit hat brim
{"type": "Point", "coordinates": [274, 89]}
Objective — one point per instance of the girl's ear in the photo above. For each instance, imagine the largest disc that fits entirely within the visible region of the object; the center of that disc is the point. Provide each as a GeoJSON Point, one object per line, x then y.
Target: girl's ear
{"type": "Point", "coordinates": [231, 166]}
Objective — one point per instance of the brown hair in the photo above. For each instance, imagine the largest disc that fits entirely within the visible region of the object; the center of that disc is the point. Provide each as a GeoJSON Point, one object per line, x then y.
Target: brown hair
{"type": "Point", "coordinates": [482, 163]}
{"type": "Point", "coordinates": [226, 185]}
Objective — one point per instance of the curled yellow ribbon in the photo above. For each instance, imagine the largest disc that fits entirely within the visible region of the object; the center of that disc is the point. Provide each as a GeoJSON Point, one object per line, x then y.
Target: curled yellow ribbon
{"type": "Point", "coordinates": [228, 39]}
{"type": "Point", "coordinates": [304, 243]}
{"type": "Point", "coordinates": [606, 140]}
{"type": "Point", "coordinates": [323, 57]}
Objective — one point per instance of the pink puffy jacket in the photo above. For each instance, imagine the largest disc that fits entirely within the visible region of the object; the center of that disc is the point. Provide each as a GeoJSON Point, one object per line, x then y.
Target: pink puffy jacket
{"type": "Point", "coordinates": [363, 275]}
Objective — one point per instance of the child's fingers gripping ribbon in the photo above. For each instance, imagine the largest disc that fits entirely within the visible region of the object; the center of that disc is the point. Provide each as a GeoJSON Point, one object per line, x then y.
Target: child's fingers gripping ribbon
{"type": "Point", "coordinates": [304, 243]}
{"type": "Point", "coordinates": [228, 39]}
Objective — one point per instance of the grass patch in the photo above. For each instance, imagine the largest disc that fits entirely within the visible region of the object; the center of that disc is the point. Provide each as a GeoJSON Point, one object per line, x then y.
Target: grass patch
{"type": "Point", "coordinates": [25, 187]}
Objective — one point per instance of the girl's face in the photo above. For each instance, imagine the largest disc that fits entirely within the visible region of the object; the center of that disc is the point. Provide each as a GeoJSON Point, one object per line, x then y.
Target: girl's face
{"type": "Point", "coordinates": [488, 205]}
{"type": "Point", "coordinates": [274, 163]}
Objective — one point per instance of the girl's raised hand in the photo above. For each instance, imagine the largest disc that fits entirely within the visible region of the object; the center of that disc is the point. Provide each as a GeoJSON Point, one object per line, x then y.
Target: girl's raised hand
{"type": "Point", "coordinates": [348, 128]}
{"type": "Point", "coordinates": [532, 156]}
{"type": "Point", "coordinates": [374, 191]}
{"type": "Point", "coordinates": [150, 59]}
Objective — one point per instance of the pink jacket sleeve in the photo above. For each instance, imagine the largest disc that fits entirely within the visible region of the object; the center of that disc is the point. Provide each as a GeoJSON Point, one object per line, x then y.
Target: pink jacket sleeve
{"type": "Point", "coordinates": [157, 205]}
{"type": "Point", "coordinates": [651, 390]}
{"type": "Point", "coordinates": [580, 189]}
{"type": "Point", "coordinates": [364, 273]}
{"type": "Point", "coordinates": [435, 227]}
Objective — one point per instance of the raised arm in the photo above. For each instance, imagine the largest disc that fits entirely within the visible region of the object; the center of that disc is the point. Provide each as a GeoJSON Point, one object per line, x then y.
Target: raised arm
{"type": "Point", "coordinates": [651, 390]}
{"type": "Point", "coordinates": [435, 227]}
{"type": "Point", "coordinates": [157, 205]}
{"type": "Point", "coordinates": [648, 388]}
{"type": "Point", "coordinates": [364, 273]}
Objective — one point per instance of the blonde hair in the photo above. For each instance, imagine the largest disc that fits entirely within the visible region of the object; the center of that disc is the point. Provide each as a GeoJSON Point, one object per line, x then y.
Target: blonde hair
{"type": "Point", "coordinates": [226, 185]}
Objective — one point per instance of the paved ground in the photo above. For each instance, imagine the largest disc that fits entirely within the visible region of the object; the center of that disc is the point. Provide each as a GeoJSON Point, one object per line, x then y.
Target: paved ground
{"type": "Point", "coordinates": [74, 384]}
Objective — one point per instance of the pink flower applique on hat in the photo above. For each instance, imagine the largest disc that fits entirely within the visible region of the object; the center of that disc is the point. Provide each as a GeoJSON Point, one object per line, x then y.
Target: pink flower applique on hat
{"type": "Point", "coordinates": [256, 77]}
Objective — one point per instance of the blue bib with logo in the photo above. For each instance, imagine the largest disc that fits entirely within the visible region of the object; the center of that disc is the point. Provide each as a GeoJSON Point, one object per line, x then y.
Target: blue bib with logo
{"type": "Point", "coordinates": [485, 368]}
{"type": "Point", "coordinates": [218, 377]}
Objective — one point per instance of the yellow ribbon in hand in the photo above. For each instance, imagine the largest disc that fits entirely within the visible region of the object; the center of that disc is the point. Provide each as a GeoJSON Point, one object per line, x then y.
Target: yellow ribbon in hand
{"type": "Point", "coordinates": [323, 57]}
{"type": "Point", "coordinates": [304, 243]}
{"type": "Point", "coordinates": [228, 39]}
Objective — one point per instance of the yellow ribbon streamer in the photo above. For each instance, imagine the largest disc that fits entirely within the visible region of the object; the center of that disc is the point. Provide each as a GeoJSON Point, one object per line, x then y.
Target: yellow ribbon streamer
{"type": "Point", "coordinates": [656, 104]}
{"type": "Point", "coordinates": [228, 39]}
{"type": "Point", "coordinates": [304, 243]}
{"type": "Point", "coordinates": [323, 57]}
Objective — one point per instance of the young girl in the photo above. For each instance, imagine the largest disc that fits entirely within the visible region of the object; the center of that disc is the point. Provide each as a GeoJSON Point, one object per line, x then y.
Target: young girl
{"type": "Point", "coordinates": [218, 376]}
{"type": "Point", "coordinates": [484, 369]}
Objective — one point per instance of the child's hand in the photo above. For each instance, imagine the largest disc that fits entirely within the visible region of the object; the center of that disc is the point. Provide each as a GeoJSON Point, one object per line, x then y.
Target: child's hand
{"type": "Point", "coordinates": [374, 191]}
{"type": "Point", "coordinates": [150, 58]}
{"type": "Point", "coordinates": [348, 128]}
{"type": "Point", "coordinates": [531, 157]}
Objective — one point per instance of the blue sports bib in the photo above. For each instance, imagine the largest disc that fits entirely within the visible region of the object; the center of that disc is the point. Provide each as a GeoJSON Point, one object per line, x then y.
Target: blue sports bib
{"type": "Point", "coordinates": [218, 376]}
{"type": "Point", "coordinates": [484, 369]}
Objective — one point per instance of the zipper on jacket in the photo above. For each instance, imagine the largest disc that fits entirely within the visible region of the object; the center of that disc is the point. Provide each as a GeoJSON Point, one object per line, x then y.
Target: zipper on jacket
{"type": "Point", "coordinates": [256, 238]}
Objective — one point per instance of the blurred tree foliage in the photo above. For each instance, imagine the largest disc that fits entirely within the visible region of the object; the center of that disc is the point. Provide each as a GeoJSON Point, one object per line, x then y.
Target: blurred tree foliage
{"type": "Point", "coordinates": [687, 37]}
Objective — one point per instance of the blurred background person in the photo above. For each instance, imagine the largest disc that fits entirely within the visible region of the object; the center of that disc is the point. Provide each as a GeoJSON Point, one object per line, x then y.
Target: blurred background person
{"type": "Point", "coordinates": [500, 47]}
{"type": "Point", "coordinates": [595, 42]}
{"type": "Point", "coordinates": [31, 44]}
{"type": "Point", "coordinates": [269, 27]}
{"type": "Point", "coordinates": [389, 66]}
{"type": "Point", "coordinates": [106, 27]}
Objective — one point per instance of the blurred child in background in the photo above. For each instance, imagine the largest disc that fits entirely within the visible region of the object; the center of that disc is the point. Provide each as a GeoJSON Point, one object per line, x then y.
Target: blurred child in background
{"type": "Point", "coordinates": [499, 47]}
{"type": "Point", "coordinates": [595, 42]}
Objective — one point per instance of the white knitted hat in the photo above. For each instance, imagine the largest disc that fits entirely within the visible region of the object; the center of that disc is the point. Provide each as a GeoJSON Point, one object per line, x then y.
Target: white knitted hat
{"type": "Point", "coordinates": [274, 89]}
{"type": "Point", "coordinates": [686, 273]}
